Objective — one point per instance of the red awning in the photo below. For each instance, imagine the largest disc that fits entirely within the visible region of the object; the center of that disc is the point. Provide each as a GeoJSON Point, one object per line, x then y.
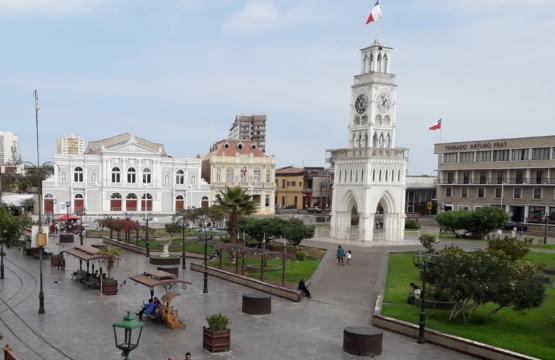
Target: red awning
{"type": "Point", "coordinates": [66, 217]}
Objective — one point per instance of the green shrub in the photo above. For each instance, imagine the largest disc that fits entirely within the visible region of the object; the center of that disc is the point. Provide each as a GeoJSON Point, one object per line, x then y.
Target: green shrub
{"type": "Point", "coordinates": [217, 322]}
{"type": "Point", "coordinates": [528, 240]}
{"type": "Point", "coordinates": [300, 255]}
{"type": "Point", "coordinates": [412, 225]}
{"type": "Point", "coordinates": [510, 246]}
{"type": "Point", "coordinates": [428, 241]}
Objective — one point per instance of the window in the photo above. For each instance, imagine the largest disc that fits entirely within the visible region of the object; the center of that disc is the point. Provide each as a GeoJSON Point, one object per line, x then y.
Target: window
{"type": "Point", "coordinates": [268, 176]}
{"type": "Point", "coordinates": [501, 155]}
{"type": "Point", "coordinates": [180, 177]}
{"type": "Point", "coordinates": [450, 177]}
{"type": "Point", "coordinates": [116, 175]}
{"type": "Point", "coordinates": [537, 193]}
{"type": "Point", "coordinates": [463, 207]}
{"type": "Point", "coordinates": [481, 192]}
{"type": "Point", "coordinates": [289, 183]}
{"type": "Point", "coordinates": [283, 181]}
{"type": "Point", "coordinates": [146, 176]}
{"type": "Point", "coordinates": [483, 156]}
{"type": "Point", "coordinates": [483, 179]}
{"type": "Point", "coordinates": [362, 175]}
{"type": "Point", "coordinates": [464, 192]}
{"type": "Point", "coordinates": [257, 176]}
{"type": "Point", "coordinates": [540, 153]}
{"type": "Point", "coordinates": [131, 175]}
{"type": "Point", "coordinates": [267, 201]}
{"type": "Point", "coordinates": [466, 177]}
{"type": "Point", "coordinates": [539, 175]}
{"type": "Point", "coordinates": [218, 175]}
{"type": "Point", "coordinates": [520, 177]}
{"type": "Point", "coordinates": [517, 193]}
{"type": "Point", "coordinates": [448, 191]}
{"type": "Point", "coordinates": [374, 175]}
{"type": "Point", "coordinates": [450, 158]}
{"type": "Point", "coordinates": [519, 154]}
{"type": "Point", "coordinates": [500, 177]}
{"type": "Point", "coordinates": [498, 192]}
{"type": "Point", "coordinates": [131, 196]}
{"type": "Point", "coordinates": [229, 176]}
{"type": "Point", "coordinates": [466, 156]}
{"type": "Point", "coordinates": [78, 174]}
{"type": "Point", "coordinates": [115, 196]}
{"type": "Point", "coordinates": [293, 183]}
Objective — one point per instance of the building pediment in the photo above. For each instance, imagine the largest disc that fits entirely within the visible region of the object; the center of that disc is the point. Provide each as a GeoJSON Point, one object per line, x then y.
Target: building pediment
{"type": "Point", "coordinates": [131, 147]}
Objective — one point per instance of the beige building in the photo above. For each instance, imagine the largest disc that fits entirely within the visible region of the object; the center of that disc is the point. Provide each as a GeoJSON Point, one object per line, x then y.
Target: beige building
{"type": "Point", "coordinates": [241, 163]}
{"type": "Point", "coordinates": [517, 174]}
{"type": "Point", "coordinates": [70, 144]}
{"type": "Point", "coordinates": [290, 186]}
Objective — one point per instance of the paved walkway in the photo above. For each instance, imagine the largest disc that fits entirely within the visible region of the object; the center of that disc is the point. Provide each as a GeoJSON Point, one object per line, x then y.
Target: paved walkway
{"type": "Point", "coordinates": [77, 323]}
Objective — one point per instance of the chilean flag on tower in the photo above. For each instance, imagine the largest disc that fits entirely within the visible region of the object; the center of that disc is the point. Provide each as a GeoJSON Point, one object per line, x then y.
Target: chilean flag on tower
{"type": "Point", "coordinates": [436, 125]}
{"type": "Point", "coordinates": [376, 13]}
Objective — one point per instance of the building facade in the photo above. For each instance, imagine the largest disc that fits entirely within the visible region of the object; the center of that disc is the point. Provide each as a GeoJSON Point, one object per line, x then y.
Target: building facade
{"type": "Point", "coordinates": [371, 170]}
{"type": "Point", "coordinates": [9, 148]}
{"type": "Point", "coordinates": [231, 163]}
{"type": "Point", "coordinates": [290, 191]}
{"type": "Point", "coordinates": [70, 144]}
{"type": "Point", "coordinates": [123, 174]}
{"type": "Point", "coordinates": [421, 195]}
{"type": "Point", "coordinates": [517, 174]}
{"type": "Point", "coordinates": [250, 127]}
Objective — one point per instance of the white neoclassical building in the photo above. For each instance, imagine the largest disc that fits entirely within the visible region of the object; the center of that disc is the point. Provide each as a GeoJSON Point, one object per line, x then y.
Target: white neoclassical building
{"type": "Point", "coordinates": [371, 170]}
{"type": "Point", "coordinates": [123, 174]}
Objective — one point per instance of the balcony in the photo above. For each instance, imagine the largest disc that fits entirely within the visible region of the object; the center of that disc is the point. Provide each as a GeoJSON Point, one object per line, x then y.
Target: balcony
{"type": "Point", "coordinates": [495, 181]}
{"type": "Point", "coordinates": [357, 153]}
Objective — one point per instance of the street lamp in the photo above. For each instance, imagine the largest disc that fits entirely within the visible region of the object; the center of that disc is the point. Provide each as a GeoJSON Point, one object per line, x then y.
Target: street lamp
{"type": "Point", "coordinates": [81, 213]}
{"type": "Point", "coordinates": [421, 261]}
{"type": "Point", "coordinates": [546, 216]}
{"type": "Point", "coordinates": [502, 185]}
{"type": "Point", "coordinates": [68, 204]}
{"type": "Point", "coordinates": [184, 226]}
{"type": "Point", "coordinates": [147, 218]}
{"type": "Point", "coordinates": [128, 344]}
{"type": "Point", "coordinates": [204, 235]}
{"type": "Point", "coordinates": [2, 257]}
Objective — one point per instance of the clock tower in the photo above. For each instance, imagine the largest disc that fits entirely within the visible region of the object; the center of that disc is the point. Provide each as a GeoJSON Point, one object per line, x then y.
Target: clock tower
{"type": "Point", "coordinates": [369, 174]}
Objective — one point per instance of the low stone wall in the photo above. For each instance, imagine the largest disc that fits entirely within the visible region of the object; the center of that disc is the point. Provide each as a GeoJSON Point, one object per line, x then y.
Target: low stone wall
{"type": "Point", "coordinates": [285, 293]}
{"type": "Point", "coordinates": [436, 305]}
{"type": "Point", "coordinates": [125, 246]}
{"type": "Point", "coordinates": [465, 346]}
{"type": "Point", "coordinates": [549, 271]}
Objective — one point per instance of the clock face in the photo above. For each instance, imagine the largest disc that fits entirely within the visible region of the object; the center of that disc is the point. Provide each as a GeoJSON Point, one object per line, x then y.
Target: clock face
{"type": "Point", "coordinates": [383, 102]}
{"type": "Point", "coordinates": [361, 103]}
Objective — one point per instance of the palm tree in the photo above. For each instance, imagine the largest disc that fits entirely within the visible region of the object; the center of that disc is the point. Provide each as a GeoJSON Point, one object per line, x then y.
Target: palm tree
{"type": "Point", "coordinates": [111, 254]}
{"type": "Point", "coordinates": [236, 203]}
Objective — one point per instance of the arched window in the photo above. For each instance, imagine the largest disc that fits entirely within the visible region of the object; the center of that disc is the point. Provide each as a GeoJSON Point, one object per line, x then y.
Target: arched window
{"type": "Point", "coordinates": [218, 175]}
{"type": "Point", "coordinates": [78, 174]}
{"type": "Point", "coordinates": [387, 141]}
{"type": "Point", "coordinates": [381, 140]}
{"type": "Point", "coordinates": [146, 176]}
{"type": "Point", "coordinates": [386, 175]}
{"type": "Point", "coordinates": [179, 202]}
{"type": "Point", "coordinates": [204, 202]}
{"type": "Point", "coordinates": [146, 202]}
{"type": "Point", "coordinates": [375, 141]}
{"type": "Point", "coordinates": [131, 202]}
{"type": "Point", "coordinates": [362, 175]}
{"type": "Point", "coordinates": [380, 176]}
{"type": "Point", "coordinates": [392, 175]}
{"type": "Point", "coordinates": [131, 196]}
{"type": "Point", "coordinates": [131, 175]}
{"type": "Point", "coordinates": [78, 203]}
{"type": "Point", "coordinates": [356, 175]}
{"type": "Point", "coordinates": [116, 175]}
{"type": "Point", "coordinates": [180, 177]}
{"type": "Point", "coordinates": [115, 202]}
{"type": "Point", "coordinates": [49, 204]}
{"type": "Point", "coordinates": [115, 196]}
{"type": "Point", "coordinates": [78, 196]}
{"type": "Point", "coordinates": [374, 175]}
{"type": "Point", "coordinates": [351, 176]}
{"type": "Point", "coordinates": [399, 175]}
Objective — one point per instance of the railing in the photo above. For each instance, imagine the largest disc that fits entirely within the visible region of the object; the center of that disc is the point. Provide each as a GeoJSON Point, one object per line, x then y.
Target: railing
{"type": "Point", "coordinates": [375, 77]}
{"type": "Point", "coordinates": [495, 181]}
{"type": "Point", "coordinates": [367, 152]}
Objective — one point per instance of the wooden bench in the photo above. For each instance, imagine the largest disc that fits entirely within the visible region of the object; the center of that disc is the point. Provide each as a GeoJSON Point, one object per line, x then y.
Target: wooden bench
{"type": "Point", "coordinates": [156, 316]}
{"type": "Point", "coordinates": [300, 292]}
{"type": "Point", "coordinates": [91, 281]}
{"type": "Point", "coordinates": [78, 275]}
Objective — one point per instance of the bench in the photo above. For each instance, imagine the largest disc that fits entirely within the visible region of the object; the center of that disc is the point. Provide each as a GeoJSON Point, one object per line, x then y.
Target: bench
{"type": "Point", "coordinates": [78, 275]}
{"type": "Point", "coordinates": [92, 282]}
{"type": "Point", "coordinates": [300, 292]}
{"type": "Point", "coordinates": [156, 315]}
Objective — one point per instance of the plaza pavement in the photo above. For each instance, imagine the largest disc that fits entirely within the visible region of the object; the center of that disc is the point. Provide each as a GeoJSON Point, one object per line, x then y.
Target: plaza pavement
{"type": "Point", "coordinates": [77, 323]}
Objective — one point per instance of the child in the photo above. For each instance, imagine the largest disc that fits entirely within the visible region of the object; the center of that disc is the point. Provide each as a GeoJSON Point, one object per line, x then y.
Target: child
{"type": "Point", "coordinates": [349, 254]}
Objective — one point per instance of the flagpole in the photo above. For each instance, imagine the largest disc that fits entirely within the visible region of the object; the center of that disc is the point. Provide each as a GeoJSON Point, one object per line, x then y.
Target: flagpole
{"type": "Point", "coordinates": [377, 28]}
{"type": "Point", "coordinates": [440, 134]}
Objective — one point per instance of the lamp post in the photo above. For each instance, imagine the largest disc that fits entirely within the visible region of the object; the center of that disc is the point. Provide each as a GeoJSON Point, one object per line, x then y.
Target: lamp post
{"type": "Point", "coordinates": [421, 260]}
{"type": "Point", "coordinates": [2, 258]}
{"type": "Point", "coordinates": [502, 186]}
{"type": "Point", "coordinates": [545, 215]}
{"type": "Point", "coordinates": [68, 204]}
{"type": "Point", "coordinates": [147, 218]}
{"type": "Point", "coordinates": [128, 344]}
{"type": "Point", "coordinates": [183, 227]}
{"type": "Point", "coordinates": [205, 236]}
{"type": "Point", "coordinates": [81, 213]}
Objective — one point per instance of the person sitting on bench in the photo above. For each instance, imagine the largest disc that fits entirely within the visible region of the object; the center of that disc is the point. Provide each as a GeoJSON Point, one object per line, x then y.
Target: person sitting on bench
{"type": "Point", "coordinates": [304, 289]}
{"type": "Point", "coordinates": [148, 308]}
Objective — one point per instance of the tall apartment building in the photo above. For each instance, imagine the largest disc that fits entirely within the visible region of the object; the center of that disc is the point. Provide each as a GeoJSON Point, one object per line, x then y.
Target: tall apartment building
{"type": "Point", "coordinates": [70, 144]}
{"type": "Point", "coordinates": [9, 148]}
{"type": "Point", "coordinates": [250, 127]}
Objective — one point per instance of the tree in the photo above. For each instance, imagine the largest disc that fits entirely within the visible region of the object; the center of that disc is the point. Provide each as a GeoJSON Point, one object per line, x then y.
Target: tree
{"type": "Point", "coordinates": [12, 228]}
{"type": "Point", "coordinates": [262, 230]}
{"type": "Point", "coordinates": [428, 241]}
{"type": "Point", "coordinates": [236, 203]}
{"type": "Point", "coordinates": [295, 231]}
{"type": "Point", "coordinates": [172, 228]}
{"type": "Point", "coordinates": [454, 221]}
{"type": "Point", "coordinates": [112, 255]}
{"type": "Point", "coordinates": [510, 246]}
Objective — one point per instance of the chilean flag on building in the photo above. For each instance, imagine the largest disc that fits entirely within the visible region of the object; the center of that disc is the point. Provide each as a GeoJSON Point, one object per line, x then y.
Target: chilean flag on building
{"type": "Point", "coordinates": [245, 172]}
{"type": "Point", "coordinates": [436, 125]}
{"type": "Point", "coordinates": [376, 13]}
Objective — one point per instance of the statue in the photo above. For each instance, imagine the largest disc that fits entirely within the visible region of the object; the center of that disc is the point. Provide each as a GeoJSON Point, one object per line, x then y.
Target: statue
{"type": "Point", "coordinates": [165, 252]}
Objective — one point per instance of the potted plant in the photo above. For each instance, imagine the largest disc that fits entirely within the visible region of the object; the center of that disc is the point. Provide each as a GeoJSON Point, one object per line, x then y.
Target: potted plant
{"type": "Point", "coordinates": [54, 258]}
{"type": "Point", "coordinates": [216, 337]}
{"type": "Point", "coordinates": [111, 259]}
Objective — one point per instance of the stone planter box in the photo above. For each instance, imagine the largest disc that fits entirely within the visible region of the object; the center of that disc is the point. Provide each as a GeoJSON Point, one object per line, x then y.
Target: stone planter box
{"type": "Point", "coordinates": [214, 341]}
{"type": "Point", "coordinates": [110, 287]}
{"type": "Point", "coordinates": [549, 271]}
{"type": "Point", "coordinates": [542, 279]}
{"type": "Point", "coordinates": [435, 305]}
{"type": "Point", "coordinates": [154, 260]}
{"type": "Point", "coordinates": [169, 269]}
{"type": "Point", "coordinates": [66, 238]}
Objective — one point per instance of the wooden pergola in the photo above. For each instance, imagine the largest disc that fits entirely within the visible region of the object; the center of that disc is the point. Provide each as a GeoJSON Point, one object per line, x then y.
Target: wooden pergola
{"type": "Point", "coordinates": [85, 253]}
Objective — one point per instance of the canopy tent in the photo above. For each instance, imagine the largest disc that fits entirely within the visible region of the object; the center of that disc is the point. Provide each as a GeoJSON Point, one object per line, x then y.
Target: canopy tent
{"type": "Point", "coordinates": [153, 278]}
{"type": "Point", "coordinates": [68, 217]}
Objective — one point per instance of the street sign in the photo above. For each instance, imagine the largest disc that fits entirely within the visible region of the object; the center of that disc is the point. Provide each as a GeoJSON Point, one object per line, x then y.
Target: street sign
{"type": "Point", "coordinates": [429, 205]}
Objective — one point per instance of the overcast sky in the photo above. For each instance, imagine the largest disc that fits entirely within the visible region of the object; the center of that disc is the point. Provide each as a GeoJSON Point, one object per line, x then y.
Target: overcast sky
{"type": "Point", "coordinates": [178, 72]}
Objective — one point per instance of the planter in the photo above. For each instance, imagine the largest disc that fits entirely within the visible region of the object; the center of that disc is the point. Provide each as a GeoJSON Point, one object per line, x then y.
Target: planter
{"type": "Point", "coordinates": [215, 341]}
{"type": "Point", "coordinates": [435, 305]}
{"type": "Point", "coordinates": [54, 260]}
{"type": "Point", "coordinates": [542, 279]}
{"type": "Point", "coordinates": [110, 287]}
{"type": "Point", "coordinates": [549, 271]}
{"type": "Point", "coordinates": [154, 260]}
{"type": "Point", "coordinates": [66, 238]}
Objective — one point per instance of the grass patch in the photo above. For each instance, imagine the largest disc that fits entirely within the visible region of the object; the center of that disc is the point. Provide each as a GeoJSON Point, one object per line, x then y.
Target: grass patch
{"type": "Point", "coordinates": [533, 332]}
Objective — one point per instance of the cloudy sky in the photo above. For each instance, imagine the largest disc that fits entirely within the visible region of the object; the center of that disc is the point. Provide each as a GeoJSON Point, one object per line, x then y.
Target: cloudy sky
{"type": "Point", "coordinates": [178, 72]}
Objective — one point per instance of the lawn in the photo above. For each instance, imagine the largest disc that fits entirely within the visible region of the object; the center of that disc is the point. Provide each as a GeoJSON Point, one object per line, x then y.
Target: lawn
{"type": "Point", "coordinates": [530, 334]}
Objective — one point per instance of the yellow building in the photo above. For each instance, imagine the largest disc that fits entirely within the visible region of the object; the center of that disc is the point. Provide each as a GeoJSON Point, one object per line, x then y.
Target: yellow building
{"type": "Point", "coordinates": [241, 163]}
{"type": "Point", "coordinates": [289, 181]}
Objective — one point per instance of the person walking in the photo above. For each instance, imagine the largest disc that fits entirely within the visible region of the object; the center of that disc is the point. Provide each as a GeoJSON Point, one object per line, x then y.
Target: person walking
{"type": "Point", "coordinates": [340, 255]}
{"type": "Point", "coordinates": [349, 255]}
{"type": "Point", "coordinates": [61, 261]}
